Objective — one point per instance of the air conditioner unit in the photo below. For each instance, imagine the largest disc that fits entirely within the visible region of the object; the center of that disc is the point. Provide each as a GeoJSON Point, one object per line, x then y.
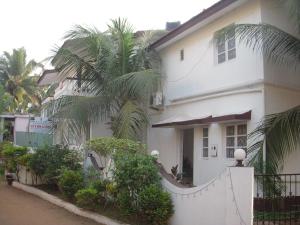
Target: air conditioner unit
{"type": "Point", "coordinates": [157, 100]}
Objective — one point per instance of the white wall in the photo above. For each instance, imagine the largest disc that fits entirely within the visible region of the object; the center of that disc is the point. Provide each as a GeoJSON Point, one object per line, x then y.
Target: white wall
{"type": "Point", "coordinates": [168, 140]}
{"type": "Point", "coordinates": [199, 72]}
{"type": "Point", "coordinates": [226, 200]}
{"type": "Point", "coordinates": [284, 74]}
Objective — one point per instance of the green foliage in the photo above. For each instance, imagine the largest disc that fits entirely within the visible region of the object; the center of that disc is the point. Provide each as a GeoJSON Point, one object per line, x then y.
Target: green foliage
{"type": "Point", "coordinates": [280, 134]}
{"type": "Point", "coordinates": [11, 154]}
{"type": "Point", "coordinates": [99, 185]}
{"type": "Point", "coordinates": [18, 80]}
{"type": "Point", "coordinates": [107, 145]}
{"type": "Point", "coordinates": [5, 101]}
{"type": "Point", "coordinates": [118, 69]}
{"type": "Point", "coordinates": [70, 182]}
{"type": "Point", "coordinates": [156, 205]}
{"type": "Point", "coordinates": [24, 159]}
{"type": "Point", "coordinates": [2, 170]}
{"type": "Point", "coordinates": [132, 174]}
{"type": "Point", "coordinates": [87, 198]}
{"type": "Point", "coordinates": [49, 161]}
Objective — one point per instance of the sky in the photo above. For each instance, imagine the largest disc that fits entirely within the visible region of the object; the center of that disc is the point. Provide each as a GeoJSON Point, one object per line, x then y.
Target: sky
{"type": "Point", "coordinates": [39, 25]}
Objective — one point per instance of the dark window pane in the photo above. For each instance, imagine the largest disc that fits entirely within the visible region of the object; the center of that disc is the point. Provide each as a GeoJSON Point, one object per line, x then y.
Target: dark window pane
{"type": "Point", "coordinates": [205, 142]}
{"type": "Point", "coordinates": [181, 54]}
{"type": "Point", "coordinates": [229, 152]}
{"type": "Point", "coordinates": [229, 130]}
{"type": "Point", "coordinates": [205, 132]}
{"type": "Point", "coordinates": [231, 33]}
{"type": "Point", "coordinates": [242, 141]}
{"type": "Point", "coordinates": [242, 129]}
{"type": "Point", "coordinates": [231, 44]}
{"type": "Point", "coordinates": [205, 152]}
{"type": "Point", "coordinates": [230, 141]}
{"type": "Point", "coordinates": [221, 47]}
{"type": "Point", "coordinates": [221, 58]}
{"type": "Point", "coordinates": [231, 54]}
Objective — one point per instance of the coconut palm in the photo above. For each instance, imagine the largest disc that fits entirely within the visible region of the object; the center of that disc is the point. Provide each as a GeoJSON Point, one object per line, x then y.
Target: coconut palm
{"type": "Point", "coordinates": [117, 70]}
{"type": "Point", "coordinates": [18, 81]}
{"type": "Point", "coordinates": [280, 132]}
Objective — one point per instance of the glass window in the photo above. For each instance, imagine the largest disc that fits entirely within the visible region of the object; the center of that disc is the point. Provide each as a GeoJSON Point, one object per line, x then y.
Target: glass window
{"type": "Point", "coordinates": [236, 137]}
{"type": "Point", "coordinates": [226, 47]}
{"type": "Point", "coordinates": [205, 142]}
{"type": "Point", "coordinates": [181, 54]}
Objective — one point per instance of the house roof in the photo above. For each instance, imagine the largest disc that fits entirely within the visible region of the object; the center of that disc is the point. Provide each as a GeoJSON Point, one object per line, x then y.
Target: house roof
{"type": "Point", "coordinates": [48, 77]}
{"type": "Point", "coordinates": [201, 17]}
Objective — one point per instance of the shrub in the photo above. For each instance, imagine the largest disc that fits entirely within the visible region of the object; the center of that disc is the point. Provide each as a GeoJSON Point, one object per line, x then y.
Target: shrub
{"type": "Point", "coordinates": [70, 182]}
{"type": "Point", "coordinates": [156, 205]}
{"type": "Point", "coordinates": [87, 198]}
{"type": "Point", "coordinates": [11, 154]}
{"type": "Point", "coordinates": [99, 186]}
{"type": "Point", "coordinates": [132, 174]}
{"type": "Point", "coordinates": [49, 161]}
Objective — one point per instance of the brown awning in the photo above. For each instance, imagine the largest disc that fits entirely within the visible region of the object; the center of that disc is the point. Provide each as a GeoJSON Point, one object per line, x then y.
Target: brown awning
{"type": "Point", "coordinates": [205, 120]}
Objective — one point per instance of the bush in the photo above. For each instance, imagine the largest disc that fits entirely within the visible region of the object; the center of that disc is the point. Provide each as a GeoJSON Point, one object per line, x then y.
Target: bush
{"type": "Point", "coordinates": [11, 154]}
{"type": "Point", "coordinates": [49, 161]}
{"type": "Point", "coordinates": [87, 198]}
{"type": "Point", "coordinates": [99, 186]}
{"type": "Point", "coordinates": [70, 182]}
{"type": "Point", "coordinates": [132, 174]}
{"type": "Point", "coordinates": [156, 205]}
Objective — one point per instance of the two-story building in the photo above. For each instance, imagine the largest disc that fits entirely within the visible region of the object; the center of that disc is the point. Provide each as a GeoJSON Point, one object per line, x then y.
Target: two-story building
{"type": "Point", "coordinates": [213, 95]}
{"type": "Point", "coordinates": [216, 93]}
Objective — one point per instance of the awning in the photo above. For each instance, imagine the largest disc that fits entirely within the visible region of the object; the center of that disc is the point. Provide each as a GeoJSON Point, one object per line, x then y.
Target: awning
{"type": "Point", "coordinates": [185, 121]}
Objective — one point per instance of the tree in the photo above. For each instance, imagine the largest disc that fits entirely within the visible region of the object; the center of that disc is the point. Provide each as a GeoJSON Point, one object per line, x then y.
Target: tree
{"type": "Point", "coordinates": [119, 73]}
{"type": "Point", "coordinates": [17, 79]}
{"type": "Point", "coordinates": [5, 100]}
{"type": "Point", "coordinates": [279, 132]}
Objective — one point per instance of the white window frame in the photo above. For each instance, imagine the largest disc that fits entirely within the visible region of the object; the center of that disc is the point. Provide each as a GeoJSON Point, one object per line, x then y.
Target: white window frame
{"type": "Point", "coordinates": [203, 147]}
{"type": "Point", "coordinates": [226, 50]}
{"type": "Point", "coordinates": [235, 136]}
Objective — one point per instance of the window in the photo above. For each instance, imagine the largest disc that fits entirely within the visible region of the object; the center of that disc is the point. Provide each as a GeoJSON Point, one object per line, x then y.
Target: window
{"type": "Point", "coordinates": [226, 49]}
{"type": "Point", "coordinates": [236, 137]}
{"type": "Point", "coordinates": [181, 54]}
{"type": "Point", "coordinates": [205, 142]}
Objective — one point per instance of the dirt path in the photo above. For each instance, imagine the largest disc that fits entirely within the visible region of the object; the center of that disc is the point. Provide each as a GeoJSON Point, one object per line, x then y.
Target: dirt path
{"type": "Point", "coordinates": [20, 208]}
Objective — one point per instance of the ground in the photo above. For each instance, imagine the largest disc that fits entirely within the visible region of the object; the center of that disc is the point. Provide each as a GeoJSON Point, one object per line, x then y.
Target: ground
{"type": "Point", "coordinates": [20, 208]}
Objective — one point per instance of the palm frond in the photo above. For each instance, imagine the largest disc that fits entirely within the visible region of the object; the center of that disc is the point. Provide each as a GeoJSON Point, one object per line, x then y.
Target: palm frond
{"type": "Point", "coordinates": [277, 45]}
{"type": "Point", "coordinates": [281, 134]}
{"type": "Point", "coordinates": [129, 123]}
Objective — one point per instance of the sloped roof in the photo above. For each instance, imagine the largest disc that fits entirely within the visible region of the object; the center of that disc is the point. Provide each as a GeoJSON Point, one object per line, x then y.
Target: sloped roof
{"type": "Point", "coordinates": [205, 14]}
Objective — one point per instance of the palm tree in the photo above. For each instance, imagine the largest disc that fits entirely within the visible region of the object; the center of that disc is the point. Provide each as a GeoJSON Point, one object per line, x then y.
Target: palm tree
{"type": "Point", "coordinates": [280, 132]}
{"type": "Point", "coordinates": [17, 80]}
{"type": "Point", "coordinates": [119, 73]}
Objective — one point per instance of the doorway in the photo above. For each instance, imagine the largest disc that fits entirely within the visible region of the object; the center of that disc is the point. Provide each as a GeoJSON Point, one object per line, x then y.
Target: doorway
{"type": "Point", "coordinates": [188, 156]}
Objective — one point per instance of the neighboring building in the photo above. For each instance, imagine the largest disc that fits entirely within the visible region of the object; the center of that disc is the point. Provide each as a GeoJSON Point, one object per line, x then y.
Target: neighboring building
{"type": "Point", "coordinates": [213, 95]}
{"type": "Point", "coordinates": [25, 130]}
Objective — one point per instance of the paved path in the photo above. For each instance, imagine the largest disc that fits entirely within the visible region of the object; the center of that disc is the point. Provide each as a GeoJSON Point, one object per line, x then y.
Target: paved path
{"type": "Point", "coordinates": [20, 208]}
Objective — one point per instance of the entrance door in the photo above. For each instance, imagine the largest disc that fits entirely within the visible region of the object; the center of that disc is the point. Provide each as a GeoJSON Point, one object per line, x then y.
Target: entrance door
{"type": "Point", "coordinates": [188, 156]}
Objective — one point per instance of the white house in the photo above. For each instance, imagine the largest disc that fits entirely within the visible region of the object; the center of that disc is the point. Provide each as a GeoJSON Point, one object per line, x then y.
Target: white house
{"type": "Point", "coordinates": [212, 95]}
